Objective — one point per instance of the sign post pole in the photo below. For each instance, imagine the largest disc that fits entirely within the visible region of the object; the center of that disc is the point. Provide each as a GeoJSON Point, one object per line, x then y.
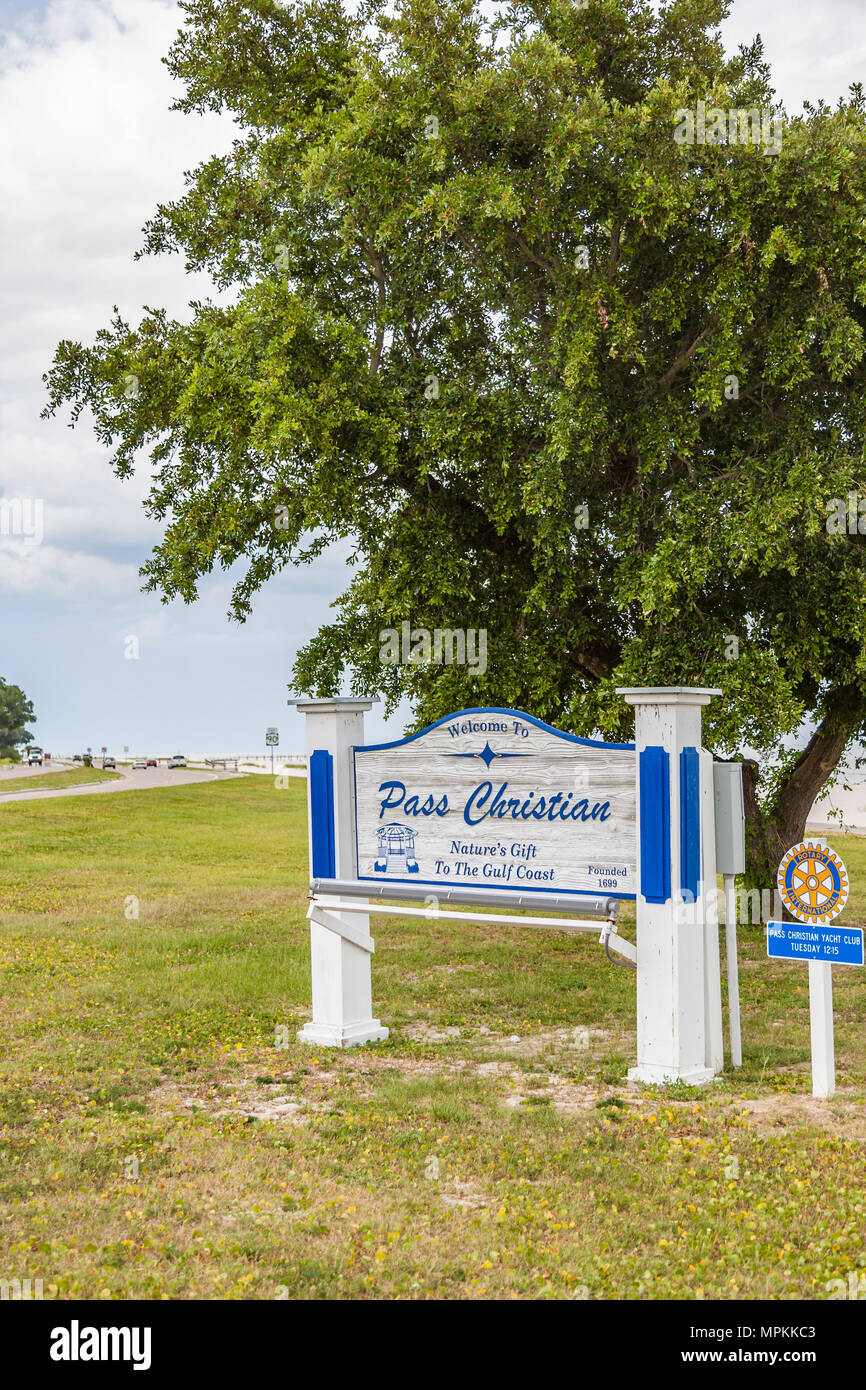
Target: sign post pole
{"type": "Point", "coordinates": [675, 1039]}
{"type": "Point", "coordinates": [272, 738]}
{"type": "Point", "coordinates": [821, 1025]}
{"type": "Point", "coordinates": [731, 860]}
{"type": "Point", "coordinates": [733, 970]}
{"type": "Point", "coordinates": [342, 985]}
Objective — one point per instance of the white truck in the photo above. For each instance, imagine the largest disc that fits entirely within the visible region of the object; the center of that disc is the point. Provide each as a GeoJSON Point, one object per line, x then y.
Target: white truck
{"type": "Point", "coordinates": [34, 757]}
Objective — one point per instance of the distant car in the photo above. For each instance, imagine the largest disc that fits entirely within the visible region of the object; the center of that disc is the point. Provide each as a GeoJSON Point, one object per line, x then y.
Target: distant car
{"type": "Point", "coordinates": [178, 760]}
{"type": "Point", "coordinates": [34, 757]}
{"type": "Point", "coordinates": [76, 757]}
{"type": "Point", "coordinates": [109, 762]}
{"type": "Point", "coordinates": [151, 762]}
{"type": "Point", "coordinates": [139, 763]}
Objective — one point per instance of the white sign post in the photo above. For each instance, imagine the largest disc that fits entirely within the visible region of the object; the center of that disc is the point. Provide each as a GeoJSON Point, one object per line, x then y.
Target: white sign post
{"type": "Point", "coordinates": [341, 951]}
{"type": "Point", "coordinates": [821, 1029]}
{"type": "Point", "coordinates": [678, 984]}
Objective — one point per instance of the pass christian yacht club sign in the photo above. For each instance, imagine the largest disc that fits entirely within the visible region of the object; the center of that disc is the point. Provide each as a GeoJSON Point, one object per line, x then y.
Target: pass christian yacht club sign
{"type": "Point", "coordinates": [497, 799]}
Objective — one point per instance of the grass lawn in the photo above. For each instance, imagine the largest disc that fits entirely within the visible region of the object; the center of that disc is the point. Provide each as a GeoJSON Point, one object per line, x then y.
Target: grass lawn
{"type": "Point", "coordinates": [47, 781]}
{"type": "Point", "coordinates": [163, 1134]}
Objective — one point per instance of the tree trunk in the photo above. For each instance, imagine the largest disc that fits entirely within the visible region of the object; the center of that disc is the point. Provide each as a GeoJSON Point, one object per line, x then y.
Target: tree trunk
{"type": "Point", "coordinates": [770, 833]}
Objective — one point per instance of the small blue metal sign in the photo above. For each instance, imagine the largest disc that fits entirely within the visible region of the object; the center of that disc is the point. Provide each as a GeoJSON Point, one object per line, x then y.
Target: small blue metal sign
{"type": "Point", "coordinates": [822, 941]}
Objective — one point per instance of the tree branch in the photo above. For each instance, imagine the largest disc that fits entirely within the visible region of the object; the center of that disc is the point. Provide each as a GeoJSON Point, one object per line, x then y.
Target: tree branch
{"type": "Point", "coordinates": [821, 754]}
{"type": "Point", "coordinates": [530, 254]}
{"type": "Point", "coordinates": [379, 274]}
{"type": "Point", "coordinates": [613, 259]}
{"type": "Point", "coordinates": [598, 661]}
{"type": "Point", "coordinates": [681, 359]}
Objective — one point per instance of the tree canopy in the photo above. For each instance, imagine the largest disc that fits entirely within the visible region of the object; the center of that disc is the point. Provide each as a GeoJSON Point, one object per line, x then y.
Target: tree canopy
{"type": "Point", "coordinates": [16, 712]}
{"type": "Point", "coordinates": [554, 371]}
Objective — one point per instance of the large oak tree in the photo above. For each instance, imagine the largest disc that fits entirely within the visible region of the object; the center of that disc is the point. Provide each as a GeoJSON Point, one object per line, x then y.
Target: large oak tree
{"type": "Point", "coordinates": [553, 372]}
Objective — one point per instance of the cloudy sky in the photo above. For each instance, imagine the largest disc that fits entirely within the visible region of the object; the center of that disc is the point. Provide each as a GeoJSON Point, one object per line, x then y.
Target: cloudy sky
{"type": "Point", "coordinates": [89, 148]}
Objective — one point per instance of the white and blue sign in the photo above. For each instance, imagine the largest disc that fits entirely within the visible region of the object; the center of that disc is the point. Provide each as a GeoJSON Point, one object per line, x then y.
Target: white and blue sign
{"type": "Point", "coordinates": [822, 941]}
{"type": "Point", "coordinates": [497, 799]}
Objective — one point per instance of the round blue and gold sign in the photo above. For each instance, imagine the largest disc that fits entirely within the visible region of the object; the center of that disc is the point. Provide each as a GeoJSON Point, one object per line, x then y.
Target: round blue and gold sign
{"type": "Point", "coordinates": [813, 882]}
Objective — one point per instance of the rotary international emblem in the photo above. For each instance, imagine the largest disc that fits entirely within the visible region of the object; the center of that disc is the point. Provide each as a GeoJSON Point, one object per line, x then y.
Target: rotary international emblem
{"type": "Point", "coordinates": [813, 882]}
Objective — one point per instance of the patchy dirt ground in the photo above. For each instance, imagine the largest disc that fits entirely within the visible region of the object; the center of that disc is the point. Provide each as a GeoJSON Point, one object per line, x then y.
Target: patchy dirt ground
{"type": "Point", "coordinates": [843, 1115]}
{"type": "Point", "coordinates": [531, 1071]}
{"type": "Point", "coordinates": [563, 1069]}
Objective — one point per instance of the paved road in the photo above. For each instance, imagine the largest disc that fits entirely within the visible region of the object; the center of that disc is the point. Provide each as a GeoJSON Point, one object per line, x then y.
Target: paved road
{"type": "Point", "coordinates": [7, 774]}
{"type": "Point", "coordinates": [128, 781]}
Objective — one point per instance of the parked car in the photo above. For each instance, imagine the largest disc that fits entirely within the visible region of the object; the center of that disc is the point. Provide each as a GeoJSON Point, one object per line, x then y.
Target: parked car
{"type": "Point", "coordinates": [151, 762]}
{"type": "Point", "coordinates": [108, 761]}
{"type": "Point", "coordinates": [34, 757]}
{"type": "Point", "coordinates": [76, 757]}
{"type": "Point", "coordinates": [139, 763]}
{"type": "Point", "coordinates": [177, 760]}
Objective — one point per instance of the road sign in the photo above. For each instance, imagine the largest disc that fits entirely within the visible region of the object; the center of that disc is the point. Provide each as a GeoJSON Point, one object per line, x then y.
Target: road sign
{"type": "Point", "coordinates": [823, 942]}
{"type": "Point", "coordinates": [493, 801]}
{"type": "Point", "coordinates": [498, 799]}
{"type": "Point", "coordinates": [272, 738]}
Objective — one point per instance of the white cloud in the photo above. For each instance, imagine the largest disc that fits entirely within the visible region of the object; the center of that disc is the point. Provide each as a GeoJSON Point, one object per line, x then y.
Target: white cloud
{"type": "Point", "coordinates": [26, 568]}
{"type": "Point", "coordinates": [90, 146]}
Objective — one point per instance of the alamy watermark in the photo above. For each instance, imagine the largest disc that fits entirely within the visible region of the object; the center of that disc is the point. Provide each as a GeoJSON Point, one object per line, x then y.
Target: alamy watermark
{"type": "Point", "coordinates": [752, 907]}
{"type": "Point", "coordinates": [855, 1287]}
{"type": "Point", "coordinates": [77, 1343]}
{"type": "Point", "coordinates": [846, 515]}
{"type": "Point", "coordinates": [713, 126]}
{"type": "Point", "coordinates": [443, 646]}
{"type": "Point", "coordinates": [19, 1290]}
{"type": "Point", "coordinates": [24, 517]}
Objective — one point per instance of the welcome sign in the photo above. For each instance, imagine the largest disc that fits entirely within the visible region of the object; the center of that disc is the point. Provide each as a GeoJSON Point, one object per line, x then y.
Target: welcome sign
{"type": "Point", "coordinates": [497, 799]}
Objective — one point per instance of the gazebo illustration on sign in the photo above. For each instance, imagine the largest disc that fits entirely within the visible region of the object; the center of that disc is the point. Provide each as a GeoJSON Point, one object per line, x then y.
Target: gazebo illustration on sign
{"type": "Point", "coordinates": [396, 852]}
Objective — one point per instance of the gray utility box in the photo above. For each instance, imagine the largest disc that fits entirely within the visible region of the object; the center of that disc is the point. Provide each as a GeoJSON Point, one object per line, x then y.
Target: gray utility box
{"type": "Point", "coordinates": [730, 818]}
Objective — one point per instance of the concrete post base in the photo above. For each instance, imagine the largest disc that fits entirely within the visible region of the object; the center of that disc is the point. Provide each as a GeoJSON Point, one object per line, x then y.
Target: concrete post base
{"type": "Point", "coordinates": [349, 1035]}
